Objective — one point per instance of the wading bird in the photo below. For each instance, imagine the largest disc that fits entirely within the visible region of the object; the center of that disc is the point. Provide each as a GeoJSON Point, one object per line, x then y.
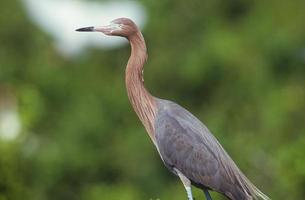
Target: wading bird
{"type": "Point", "coordinates": [185, 145]}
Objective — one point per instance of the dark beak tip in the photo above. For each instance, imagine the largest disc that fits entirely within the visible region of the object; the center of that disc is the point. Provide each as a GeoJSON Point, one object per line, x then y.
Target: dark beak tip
{"type": "Point", "coordinates": [86, 29]}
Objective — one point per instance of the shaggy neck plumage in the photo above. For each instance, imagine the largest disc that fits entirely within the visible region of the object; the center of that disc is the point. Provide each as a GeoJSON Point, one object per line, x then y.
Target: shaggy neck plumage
{"type": "Point", "coordinates": [142, 101]}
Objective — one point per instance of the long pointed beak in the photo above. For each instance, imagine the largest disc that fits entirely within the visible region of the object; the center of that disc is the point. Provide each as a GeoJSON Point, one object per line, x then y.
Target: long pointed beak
{"type": "Point", "coordinates": [86, 29]}
{"type": "Point", "coordinates": [107, 30]}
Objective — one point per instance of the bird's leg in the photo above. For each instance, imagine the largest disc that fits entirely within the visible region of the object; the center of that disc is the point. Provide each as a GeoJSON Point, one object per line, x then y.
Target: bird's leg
{"type": "Point", "coordinates": [207, 194]}
{"type": "Point", "coordinates": [187, 184]}
{"type": "Point", "coordinates": [189, 193]}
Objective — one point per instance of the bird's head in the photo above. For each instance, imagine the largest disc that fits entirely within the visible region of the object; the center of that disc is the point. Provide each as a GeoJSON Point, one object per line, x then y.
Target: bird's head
{"type": "Point", "coordinates": [123, 27]}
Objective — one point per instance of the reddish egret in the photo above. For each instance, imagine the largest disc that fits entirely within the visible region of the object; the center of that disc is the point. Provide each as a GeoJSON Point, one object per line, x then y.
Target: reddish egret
{"type": "Point", "coordinates": [185, 145]}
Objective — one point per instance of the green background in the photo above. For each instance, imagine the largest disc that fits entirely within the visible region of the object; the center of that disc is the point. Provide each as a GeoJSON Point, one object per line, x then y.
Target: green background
{"type": "Point", "coordinates": [239, 66]}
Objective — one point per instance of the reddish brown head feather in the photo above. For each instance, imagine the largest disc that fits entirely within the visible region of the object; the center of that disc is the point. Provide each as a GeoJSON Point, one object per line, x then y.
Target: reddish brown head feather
{"type": "Point", "coordinates": [127, 28]}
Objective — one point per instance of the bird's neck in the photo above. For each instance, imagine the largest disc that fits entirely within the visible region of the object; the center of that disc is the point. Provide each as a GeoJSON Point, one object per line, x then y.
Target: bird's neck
{"type": "Point", "coordinates": [142, 101]}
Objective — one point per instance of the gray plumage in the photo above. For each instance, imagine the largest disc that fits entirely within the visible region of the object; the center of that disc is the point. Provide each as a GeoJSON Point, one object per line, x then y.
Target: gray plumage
{"type": "Point", "coordinates": [186, 144]}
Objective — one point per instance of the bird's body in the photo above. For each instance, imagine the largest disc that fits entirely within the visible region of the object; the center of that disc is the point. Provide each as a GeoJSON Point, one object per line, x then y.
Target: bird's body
{"type": "Point", "coordinates": [184, 143]}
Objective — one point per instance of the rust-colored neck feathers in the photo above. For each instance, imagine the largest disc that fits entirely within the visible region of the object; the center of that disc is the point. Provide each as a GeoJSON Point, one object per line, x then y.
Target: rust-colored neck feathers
{"type": "Point", "coordinates": [142, 101]}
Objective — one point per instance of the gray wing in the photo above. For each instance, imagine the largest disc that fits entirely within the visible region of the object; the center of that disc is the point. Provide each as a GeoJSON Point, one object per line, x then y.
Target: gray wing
{"type": "Point", "coordinates": [186, 144]}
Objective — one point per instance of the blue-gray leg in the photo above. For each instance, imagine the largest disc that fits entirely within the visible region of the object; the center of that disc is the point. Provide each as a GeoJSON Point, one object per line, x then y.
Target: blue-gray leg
{"type": "Point", "coordinates": [189, 193]}
{"type": "Point", "coordinates": [187, 184]}
{"type": "Point", "coordinates": [207, 194]}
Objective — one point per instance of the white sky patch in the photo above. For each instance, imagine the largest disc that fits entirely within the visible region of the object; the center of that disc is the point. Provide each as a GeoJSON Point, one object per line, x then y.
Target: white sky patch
{"type": "Point", "coordinates": [60, 18]}
{"type": "Point", "coordinates": [9, 125]}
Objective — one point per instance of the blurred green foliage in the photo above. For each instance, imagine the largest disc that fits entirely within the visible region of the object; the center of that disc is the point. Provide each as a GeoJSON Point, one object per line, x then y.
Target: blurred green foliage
{"type": "Point", "coordinates": [238, 65]}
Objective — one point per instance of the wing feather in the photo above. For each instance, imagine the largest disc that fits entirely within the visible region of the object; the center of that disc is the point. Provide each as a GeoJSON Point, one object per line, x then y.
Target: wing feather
{"type": "Point", "coordinates": [186, 144]}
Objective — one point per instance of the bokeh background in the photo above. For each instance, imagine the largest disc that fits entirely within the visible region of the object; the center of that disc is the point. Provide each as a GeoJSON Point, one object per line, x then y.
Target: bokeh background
{"type": "Point", "coordinates": [67, 130]}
